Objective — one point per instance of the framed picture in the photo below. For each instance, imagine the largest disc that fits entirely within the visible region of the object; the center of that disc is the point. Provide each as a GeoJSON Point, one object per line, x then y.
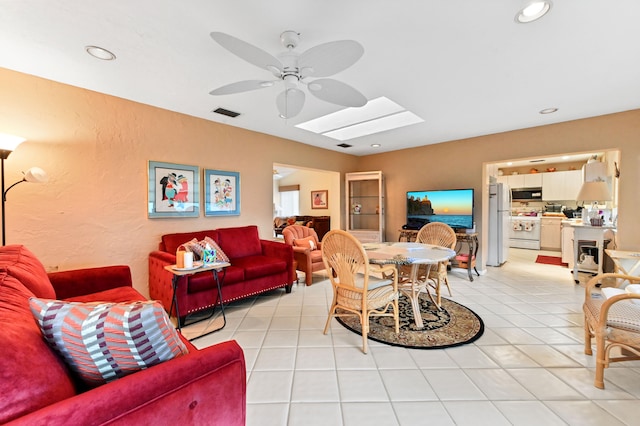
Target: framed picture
{"type": "Point", "coordinates": [320, 199]}
{"type": "Point", "coordinates": [174, 190]}
{"type": "Point", "coordinates": [221, 193]}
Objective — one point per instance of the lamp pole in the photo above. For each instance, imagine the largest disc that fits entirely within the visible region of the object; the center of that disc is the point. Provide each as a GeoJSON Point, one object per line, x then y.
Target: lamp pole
{"type": "Point", "coordinates": [3, 155]}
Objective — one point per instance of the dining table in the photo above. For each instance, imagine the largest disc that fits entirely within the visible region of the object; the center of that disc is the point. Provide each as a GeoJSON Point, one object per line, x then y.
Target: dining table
{"type": "Point", "coordinates": [414, 255]}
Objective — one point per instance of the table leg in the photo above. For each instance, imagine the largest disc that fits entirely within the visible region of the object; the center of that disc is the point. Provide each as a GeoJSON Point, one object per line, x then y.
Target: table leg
{"type": "Point", "coordinates": [174, 299]}
{"type": "Point", "coordinates": [216, 278]}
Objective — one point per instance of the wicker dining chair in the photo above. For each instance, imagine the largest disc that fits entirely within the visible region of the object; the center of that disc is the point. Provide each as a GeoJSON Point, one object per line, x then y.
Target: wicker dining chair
{"type": "Point", "coordinates": [438, 234]}
{"type": "Point", "coordinates": [355, 290]}
{"type": "Point", "coordinates": [613, 321]}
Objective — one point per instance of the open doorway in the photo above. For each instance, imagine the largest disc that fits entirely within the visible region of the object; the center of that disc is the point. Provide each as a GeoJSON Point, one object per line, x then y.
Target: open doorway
{"type": "Point", "coordinates": [553, 184]}
{"type": "Point", "coordinates": [293, 190]}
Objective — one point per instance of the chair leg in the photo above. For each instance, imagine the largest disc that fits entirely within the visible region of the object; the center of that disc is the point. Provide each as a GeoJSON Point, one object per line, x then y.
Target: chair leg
{"type": "Point", "coordinates": [332, 312]}
{"type": "Point", "coordinates": [600, 361]}
{"type": "Point", "coordinates": [364, 319]}
{"type": "Point", "coordinates": [587, 337]}
{"type": "Point", "coordinates": [446, 281]}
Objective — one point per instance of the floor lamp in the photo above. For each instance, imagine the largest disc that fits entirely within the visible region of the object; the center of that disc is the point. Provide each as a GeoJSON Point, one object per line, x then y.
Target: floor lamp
{"type": "Point", "coordinates": [8, 144]}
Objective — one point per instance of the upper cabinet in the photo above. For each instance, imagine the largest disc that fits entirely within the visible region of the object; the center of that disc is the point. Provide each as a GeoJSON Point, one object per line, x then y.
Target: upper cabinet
{"type": "Point", "coordinates": [532, 180]}
{"type": "Point", "coordinates": [558, 186]}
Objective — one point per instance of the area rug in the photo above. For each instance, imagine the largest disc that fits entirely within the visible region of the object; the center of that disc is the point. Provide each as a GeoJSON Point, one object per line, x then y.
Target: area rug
{"type": "Point", "coordinates": [550, 260]}
{"type": "Point", "coordinates": [454, 325]}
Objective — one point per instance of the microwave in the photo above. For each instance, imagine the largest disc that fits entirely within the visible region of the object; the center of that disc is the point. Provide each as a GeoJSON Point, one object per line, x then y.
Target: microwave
{"type": "Point", "coordinates": [526, 194]}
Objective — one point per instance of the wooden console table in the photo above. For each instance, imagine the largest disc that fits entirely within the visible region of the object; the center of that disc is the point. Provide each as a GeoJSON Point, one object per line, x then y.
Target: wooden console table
{"type": "Point", "coordinates": [471, 240]}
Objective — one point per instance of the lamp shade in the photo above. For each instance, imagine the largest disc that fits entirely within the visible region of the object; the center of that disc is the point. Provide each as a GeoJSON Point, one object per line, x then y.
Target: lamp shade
{"type": "Point", "coordinates": [9, 142]}
{"type": "Point", "coordinates": [36, 175]}
{"type": "Point", "coordinates": [594, 191]}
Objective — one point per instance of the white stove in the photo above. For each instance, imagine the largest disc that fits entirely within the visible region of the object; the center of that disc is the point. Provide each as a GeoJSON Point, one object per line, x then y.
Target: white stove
{"type": "Point", "coordinates": [525, 232]}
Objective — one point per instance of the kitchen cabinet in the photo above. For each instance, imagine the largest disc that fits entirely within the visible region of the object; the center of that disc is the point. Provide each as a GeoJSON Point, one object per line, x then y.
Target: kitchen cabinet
{"type": "Point", "coordinates": [559, 186]}
{"type": "Point", "coordinates": [551, 233]}
{"type": "Point", "coordinates": [567, 243]}
{"type": "Point", "coordinates": [532, 180]}
{"type": "Point", "coordinates": [365, 206]}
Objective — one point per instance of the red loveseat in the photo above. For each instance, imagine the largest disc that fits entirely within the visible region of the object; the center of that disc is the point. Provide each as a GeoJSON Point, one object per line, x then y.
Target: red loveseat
{"type": "Point", "coordinates": [256, 266]}
{"type": "Point", "coordinates": [205, 386]}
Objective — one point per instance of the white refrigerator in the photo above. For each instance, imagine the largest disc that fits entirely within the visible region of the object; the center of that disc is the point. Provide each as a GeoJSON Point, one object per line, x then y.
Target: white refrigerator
{"type": "Point", "coordinates": [499, 223]}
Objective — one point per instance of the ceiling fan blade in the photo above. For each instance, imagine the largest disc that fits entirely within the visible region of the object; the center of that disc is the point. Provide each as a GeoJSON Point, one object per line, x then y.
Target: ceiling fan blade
{"type": "Point", "coordinates": [336, 92]}
{"type": "Point", "coordinates": [248, 52]}
{"type": "Point", "coordinates": [330, 58]}
{"type": "Point", "coordinates": [290, 102]}
{"type": "Point", "coordinates": [241, 86]}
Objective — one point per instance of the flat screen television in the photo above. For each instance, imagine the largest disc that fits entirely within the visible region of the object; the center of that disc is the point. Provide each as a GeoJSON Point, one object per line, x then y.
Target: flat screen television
{"type": "Point", "coordinates": [451, 206]}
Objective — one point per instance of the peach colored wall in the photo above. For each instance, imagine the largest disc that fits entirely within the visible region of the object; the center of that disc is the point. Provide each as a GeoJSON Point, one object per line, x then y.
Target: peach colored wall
{"type": "Point", "coordinates": [96, 149]}
{"type": "Point", "coordinates": [460, 164]}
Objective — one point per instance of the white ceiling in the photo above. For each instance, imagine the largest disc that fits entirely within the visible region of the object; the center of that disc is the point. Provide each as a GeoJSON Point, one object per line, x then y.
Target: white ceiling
{"type": "Point", "coordinates": [463, 66]}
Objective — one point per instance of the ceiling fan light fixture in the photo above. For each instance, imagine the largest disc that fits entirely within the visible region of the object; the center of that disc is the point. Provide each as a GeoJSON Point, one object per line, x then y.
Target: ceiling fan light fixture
{"type": "Point", "coordinates": [533, 11]}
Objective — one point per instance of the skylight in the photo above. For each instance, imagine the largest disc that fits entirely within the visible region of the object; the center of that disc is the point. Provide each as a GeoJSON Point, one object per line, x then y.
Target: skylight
{"type": "Point", "coordinates": [378, 115]}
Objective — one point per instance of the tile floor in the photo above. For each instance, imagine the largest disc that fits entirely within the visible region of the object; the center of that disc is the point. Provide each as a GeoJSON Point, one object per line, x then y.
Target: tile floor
{"type": "Point", "coordinates": [528, 368]}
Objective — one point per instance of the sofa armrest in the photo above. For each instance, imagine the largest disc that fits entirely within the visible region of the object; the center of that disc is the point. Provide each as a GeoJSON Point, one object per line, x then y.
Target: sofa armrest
{"type": "Point", "coordinates": [79, 282]}
{"type": "Point", "coordinates": [204, 387]}
{"type": "Point", "coordinates": [281, 251]}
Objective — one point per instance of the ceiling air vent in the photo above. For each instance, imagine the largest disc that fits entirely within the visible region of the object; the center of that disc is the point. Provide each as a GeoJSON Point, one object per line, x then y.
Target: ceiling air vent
{"type": "Point", "coordinates": [226, 112]}
{"type": "Point", "coordinates": [344, 145]}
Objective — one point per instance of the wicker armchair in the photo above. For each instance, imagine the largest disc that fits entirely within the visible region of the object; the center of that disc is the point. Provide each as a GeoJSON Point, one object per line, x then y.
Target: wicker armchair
{"type": "Point", "coordinates": [355, 291]}
{"type": "Point", "coordinates": [613, 321]}
{"type": "Point", "coordinates": [438, 234]}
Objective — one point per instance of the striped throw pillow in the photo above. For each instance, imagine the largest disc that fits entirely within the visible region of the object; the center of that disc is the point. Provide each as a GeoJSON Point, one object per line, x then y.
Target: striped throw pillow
{"type": "Point", "coordinates": [197, 247]}
{"type": "Point", "coordinates": [102, 342]}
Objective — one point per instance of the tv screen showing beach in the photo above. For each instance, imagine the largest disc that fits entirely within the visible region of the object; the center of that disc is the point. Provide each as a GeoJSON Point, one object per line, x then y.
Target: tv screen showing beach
{"type": "Point", "coordinates": [452, 206]}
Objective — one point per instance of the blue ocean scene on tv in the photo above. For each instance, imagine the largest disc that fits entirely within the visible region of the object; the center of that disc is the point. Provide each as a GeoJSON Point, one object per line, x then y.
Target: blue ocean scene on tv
{"type": "Point", "coordinates": [453, 207]}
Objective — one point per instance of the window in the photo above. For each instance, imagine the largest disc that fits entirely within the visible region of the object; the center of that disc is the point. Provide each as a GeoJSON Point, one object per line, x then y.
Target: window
{"type": "Point", "coordinates": [290, 200]}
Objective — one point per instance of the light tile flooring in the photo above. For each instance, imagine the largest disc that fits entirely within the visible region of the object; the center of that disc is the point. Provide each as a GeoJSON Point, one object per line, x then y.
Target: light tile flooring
{"type": "Point", "coordinates": [529, 367]}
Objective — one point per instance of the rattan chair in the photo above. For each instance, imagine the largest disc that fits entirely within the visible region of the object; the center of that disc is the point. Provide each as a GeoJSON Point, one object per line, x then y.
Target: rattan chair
{"type": "Point", "coordinates": [355, 290]}
{"type": "Point", "coordinates": [613, 321]}
{"type": "Point", "coordinates": [438, 234]}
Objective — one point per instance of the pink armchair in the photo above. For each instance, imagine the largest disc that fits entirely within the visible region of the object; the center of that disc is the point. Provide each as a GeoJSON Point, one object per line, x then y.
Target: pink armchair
{"type": "Point", "coordinates": [306, 249]}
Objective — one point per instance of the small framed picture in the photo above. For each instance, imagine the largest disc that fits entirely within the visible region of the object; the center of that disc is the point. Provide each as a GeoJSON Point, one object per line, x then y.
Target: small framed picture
{"type": "Point", "coordinates": [174, 190]}
{"type": "Point", "coordinates": [320, 199]}
{"type": "Point", "coordinates": [221, 193]}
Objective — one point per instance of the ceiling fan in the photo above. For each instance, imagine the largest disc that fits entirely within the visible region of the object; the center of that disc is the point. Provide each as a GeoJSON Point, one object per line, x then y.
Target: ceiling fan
{"type": "Point", "coordinates": [295, 69]}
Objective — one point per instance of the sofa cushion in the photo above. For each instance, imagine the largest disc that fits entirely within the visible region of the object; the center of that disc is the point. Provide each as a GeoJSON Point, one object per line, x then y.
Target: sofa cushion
{"type": "Point", "coordinates": [117, 295]}
{"type": "Point", "coordinates": [260, 266]}
{"type": "Point", "coordinates": [240, 242]}
{"type": "Point", "coordinates": [32, 376]}
{"type": "Point", "coordinates": [22, 264]}
{"type": "Point", "coordinates": [105, 341]}
{"type": "Point", "coordinates": [204, 280]}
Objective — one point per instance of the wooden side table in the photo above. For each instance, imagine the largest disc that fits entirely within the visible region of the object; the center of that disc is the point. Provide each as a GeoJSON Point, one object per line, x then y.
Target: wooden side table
{"type": "Point", "coordinates": [215, 267]}
{"type": "Point", "coordinates": [472, 242]}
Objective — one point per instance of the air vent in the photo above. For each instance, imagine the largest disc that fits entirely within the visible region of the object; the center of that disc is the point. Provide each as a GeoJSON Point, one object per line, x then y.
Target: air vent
{"type": "Point", "coordinates": [226, 112]}
{"type": "Point", "coordinates": [344, 145]}
{"type": "Point", "coordinates": [536, 161]}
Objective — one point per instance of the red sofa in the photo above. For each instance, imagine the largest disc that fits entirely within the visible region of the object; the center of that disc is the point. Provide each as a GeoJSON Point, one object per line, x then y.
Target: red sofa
{"type": "Point", "coordinates": [205, 386]}
{"type": "Point", "coordinates": [256, 266]}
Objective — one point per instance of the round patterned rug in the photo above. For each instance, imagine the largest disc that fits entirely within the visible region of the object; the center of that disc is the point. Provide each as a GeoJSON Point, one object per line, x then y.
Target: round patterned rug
{"type": "Point", "coordinates": [454, 325]}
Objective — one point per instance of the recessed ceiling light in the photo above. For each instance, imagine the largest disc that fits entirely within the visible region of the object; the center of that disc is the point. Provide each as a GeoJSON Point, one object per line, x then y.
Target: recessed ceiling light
{"type": "Point", "coordinates": [100, 53]}
{"type": "Point", "coordinates": [548, 110]}
{"type": "Point", "coordinates": [532, 11]}
{"type": "Point", "coordinates": [375, 145]}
